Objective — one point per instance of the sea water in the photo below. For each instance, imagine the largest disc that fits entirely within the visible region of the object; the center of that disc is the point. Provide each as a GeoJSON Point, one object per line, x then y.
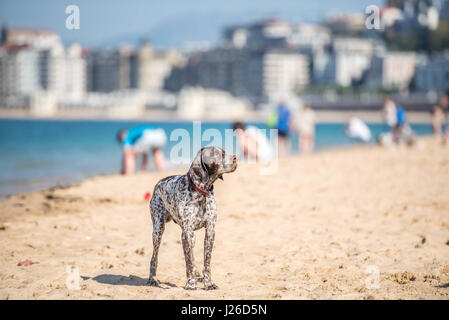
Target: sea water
{"type": "Point", "coordinates": [38, 154]}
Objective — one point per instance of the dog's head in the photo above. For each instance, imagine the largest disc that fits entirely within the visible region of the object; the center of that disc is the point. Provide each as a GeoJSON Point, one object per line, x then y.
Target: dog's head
{"type": "Point", "coordinates": [210, 164]}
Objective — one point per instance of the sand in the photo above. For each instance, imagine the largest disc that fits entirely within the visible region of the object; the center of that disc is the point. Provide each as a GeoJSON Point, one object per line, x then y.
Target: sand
{"type": "Point", "coordinates": [318, 229]}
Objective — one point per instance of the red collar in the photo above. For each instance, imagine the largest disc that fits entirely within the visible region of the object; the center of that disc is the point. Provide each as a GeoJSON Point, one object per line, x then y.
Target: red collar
{"type": "Point", "coordinates": [198, 189]}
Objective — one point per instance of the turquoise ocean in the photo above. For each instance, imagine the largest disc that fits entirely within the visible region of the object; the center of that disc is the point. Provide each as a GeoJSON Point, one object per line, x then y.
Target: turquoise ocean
{"type": "Point", "coordinates": [39, 154]}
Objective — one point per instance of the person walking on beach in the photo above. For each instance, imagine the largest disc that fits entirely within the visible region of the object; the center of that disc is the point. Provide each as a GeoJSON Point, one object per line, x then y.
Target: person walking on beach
{"type": "Point", "coordinates": [306, 127]}
{"type": "Point", "coordinates": [283, 125]}
{"type": "Point", "coordinates": [401, 124]}
{"type": "Point", "coordinates": [444, 104]}
{"type": "Point", "coordinates": [253, 142]}
{"type": "Point", "coordinates": [444, 107]}
{"type": "Point", "coordinates": [139, 141]}
{"type": "Point", "coordinates": [389, 113]}
{"type": "Point", "coordinates": [402, 132]}
{"type": "Point", "coordinates": [437, 120]}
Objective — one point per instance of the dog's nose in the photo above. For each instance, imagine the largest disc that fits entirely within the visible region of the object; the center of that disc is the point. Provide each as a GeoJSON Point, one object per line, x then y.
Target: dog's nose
{"type": "Point", "coordinates": [234, 159]}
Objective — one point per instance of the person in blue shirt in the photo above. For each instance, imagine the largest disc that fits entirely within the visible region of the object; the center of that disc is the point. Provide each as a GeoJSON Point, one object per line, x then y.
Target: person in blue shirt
{"type": "Point", "coordinates": [402, 132]}
{"type": "Point", "coordinates": [400, 124]}
{"type": "Point", "coordinates": [284, 120]}
{"type": "Point", "coordinates": [444, 103]}
{"type": "Point", "coordinates": [400, 115]}
{"type": "Point", "coordinates": [139, 141]}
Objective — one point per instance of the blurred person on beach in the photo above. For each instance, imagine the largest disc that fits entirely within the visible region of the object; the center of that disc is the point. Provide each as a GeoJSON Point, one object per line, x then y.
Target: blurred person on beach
{"type": "Point", "coordinates": [357, 130]}
{"type": "Point", "coordinates": [140, 141]}
{"type": "Point", "coordinates": [306, 128]}
{"type": "Point", "coordinates": [253, 142]}
{"type": "Point", "coordinates": [437, 120]}
{"type": "Point", "coordinates": [389, 113]}
{"type": "Point", "coordinates": [444, 105]}
{"type": "Point", "coordinates": [402, 132]}
{"type": "Point", "coordinates": [401, 117]}
{"type": "Point", "coordinates": [400, 123]}
{"type": "Point", "coordinates": [282, 119]}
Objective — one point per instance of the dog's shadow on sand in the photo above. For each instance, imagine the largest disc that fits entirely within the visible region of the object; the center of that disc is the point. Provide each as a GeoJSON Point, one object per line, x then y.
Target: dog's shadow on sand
{"type": "Point", "coordinates": [131, 280]}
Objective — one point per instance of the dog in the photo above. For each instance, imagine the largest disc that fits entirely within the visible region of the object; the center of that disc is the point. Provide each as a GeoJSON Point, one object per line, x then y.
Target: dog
{"type": "Point", "coordinates": [189, 201]}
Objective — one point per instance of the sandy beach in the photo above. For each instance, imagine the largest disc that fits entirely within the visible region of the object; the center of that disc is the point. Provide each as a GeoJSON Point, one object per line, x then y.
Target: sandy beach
{"type": "Point", "coordinates": [315, 230]}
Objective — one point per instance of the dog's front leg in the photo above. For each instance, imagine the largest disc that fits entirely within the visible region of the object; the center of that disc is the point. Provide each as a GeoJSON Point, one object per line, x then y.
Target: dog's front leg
{"type": "Point", "coordinates": [158, 230]}
{"type": "Point", "coordinates": [208, 245]}
{"type": "Point", "coordinates": [188, 242]}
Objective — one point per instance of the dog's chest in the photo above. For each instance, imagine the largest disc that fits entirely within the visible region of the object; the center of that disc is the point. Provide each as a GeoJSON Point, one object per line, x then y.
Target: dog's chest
{"type": "Point", "coordinates": [186, 206]}
{"type": "Point", "coordinates": [195, 212]}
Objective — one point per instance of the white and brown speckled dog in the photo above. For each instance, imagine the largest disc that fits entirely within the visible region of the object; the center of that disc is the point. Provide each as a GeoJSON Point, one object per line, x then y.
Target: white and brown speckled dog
{"type": "Point", "coordinates": [189, 201]}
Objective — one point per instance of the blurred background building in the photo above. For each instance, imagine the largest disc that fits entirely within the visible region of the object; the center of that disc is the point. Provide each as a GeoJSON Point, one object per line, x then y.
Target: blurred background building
{"type": "Point", "coordinates": [336, 63]}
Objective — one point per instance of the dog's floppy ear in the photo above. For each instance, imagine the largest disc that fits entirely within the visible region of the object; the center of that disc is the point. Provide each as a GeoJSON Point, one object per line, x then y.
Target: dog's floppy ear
{"type": "Point", "coordinates": [205, 165]}
{"type": "Point", "coordinates": [209, 160]}
{"type": "Point", "coordinates": [197, 170]}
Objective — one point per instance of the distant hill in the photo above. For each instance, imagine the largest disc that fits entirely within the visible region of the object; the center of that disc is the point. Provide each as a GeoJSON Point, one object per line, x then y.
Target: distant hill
{"type": "Point", "coordinates": [184, 29]}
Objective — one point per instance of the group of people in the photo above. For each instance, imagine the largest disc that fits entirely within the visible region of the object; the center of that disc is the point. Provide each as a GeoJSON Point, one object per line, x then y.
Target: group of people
{"type": "Point", "coordinates": [138, 142]}
{"type": "Point", "coordinates": [255, 144]}
{"type": "Point", "coordinates": [282, 119]}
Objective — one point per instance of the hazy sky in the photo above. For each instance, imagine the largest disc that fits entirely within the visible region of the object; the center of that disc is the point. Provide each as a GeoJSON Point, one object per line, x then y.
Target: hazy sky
{"type": "Point", "coordinates": [165, 22]}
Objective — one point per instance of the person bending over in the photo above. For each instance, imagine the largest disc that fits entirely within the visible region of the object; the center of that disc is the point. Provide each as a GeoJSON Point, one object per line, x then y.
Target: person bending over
{"type": "Point", "coordinates": [139, 141]}
{"type": "Point", "coordinates": [357, 130]}
{"type": "Point", "coordinates": [253, 142]}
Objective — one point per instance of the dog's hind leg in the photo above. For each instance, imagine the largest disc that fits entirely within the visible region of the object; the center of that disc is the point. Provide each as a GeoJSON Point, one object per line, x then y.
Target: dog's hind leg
{"type": "Point", "coordinates": [158, 229]}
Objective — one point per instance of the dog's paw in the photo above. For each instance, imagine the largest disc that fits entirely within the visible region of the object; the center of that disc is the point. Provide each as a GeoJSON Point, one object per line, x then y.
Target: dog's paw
{"type": "Point", "coordinates": [153, 282]}
{"type": "Point", "coordinates": [191, 284]}
{"type": "Point", "coordinates": [210, 286]}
